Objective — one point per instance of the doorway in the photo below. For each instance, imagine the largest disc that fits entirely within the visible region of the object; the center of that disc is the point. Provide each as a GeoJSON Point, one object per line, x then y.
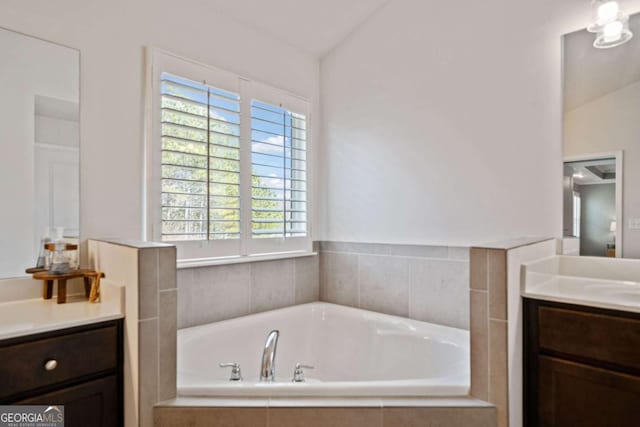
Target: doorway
{"type": "Point", "coordinates": [593, 203]}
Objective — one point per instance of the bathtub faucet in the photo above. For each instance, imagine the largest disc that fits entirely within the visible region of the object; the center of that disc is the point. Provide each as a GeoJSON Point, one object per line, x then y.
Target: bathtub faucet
{"type": "Point", "coordinates": [268, 367]}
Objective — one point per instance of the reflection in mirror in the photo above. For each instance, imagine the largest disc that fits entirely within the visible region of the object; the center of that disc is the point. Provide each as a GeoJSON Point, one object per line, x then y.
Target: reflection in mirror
{"type": "Point", "coordinates": [39, 138]}
{"type": "Point", "coordinates": [602, 144]}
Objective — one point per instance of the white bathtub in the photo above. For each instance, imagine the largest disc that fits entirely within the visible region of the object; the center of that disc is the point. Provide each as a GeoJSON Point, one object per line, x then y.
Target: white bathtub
{"type": "Point", "coordinates": [355, 353]}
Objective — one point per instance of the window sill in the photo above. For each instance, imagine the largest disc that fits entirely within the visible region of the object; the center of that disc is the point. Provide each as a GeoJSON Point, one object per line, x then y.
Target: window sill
{"type": "Point", "coordinates": [205, 262]}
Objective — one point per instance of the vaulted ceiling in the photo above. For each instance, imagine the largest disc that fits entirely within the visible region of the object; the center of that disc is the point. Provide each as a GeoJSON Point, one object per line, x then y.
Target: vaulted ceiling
{"type": "Point", "coordinates": [314, 26]}
{"type": "Point", "coordinates": [591, 73]}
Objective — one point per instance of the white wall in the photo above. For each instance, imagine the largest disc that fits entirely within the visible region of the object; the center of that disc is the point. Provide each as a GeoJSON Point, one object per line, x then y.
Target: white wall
{"type": "Point", "coordinates": [610, 123]}
{"type": "Point", "coordinates": [442, 123]}
{"type": "Point", "coordinates": [111, 37]}
{"type": "Point", "coordinates": [32, 68]}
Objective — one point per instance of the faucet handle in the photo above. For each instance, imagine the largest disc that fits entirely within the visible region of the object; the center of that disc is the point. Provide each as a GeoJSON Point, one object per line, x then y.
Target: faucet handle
{"type": "Point", "coordinates": [236, 375]}
{"type": "Point", "coordinates": [298, 373]}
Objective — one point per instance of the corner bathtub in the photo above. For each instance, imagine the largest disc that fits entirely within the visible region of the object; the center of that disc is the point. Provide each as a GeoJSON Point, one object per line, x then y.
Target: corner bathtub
{"type": "Point", "coordinates": [355, 353]}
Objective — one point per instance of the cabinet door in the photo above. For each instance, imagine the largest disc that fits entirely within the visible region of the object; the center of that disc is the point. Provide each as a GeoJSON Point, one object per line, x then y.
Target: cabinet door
{"type": "Point", "coordinates": [94, 403]}
{"type": "Point", "coordinates": [572, 394]}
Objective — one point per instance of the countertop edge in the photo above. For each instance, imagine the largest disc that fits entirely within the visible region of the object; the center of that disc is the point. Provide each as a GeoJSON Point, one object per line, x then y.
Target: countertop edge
{"type": "Point", "coordinates": [582, 302]}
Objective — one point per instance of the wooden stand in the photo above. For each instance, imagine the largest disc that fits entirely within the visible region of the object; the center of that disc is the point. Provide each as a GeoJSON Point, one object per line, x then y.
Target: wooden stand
{"type": "Point", "coordinates": [48, 279]}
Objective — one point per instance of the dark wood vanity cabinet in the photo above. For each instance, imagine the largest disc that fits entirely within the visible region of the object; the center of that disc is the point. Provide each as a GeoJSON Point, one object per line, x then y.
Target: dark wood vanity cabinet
{"type": "Point", "coordinates": [581, 366]}
{"type": "Point", "coordinates": [80, 368]}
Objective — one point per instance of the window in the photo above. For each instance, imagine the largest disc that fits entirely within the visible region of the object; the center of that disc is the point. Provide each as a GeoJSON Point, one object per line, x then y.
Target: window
{"type": "Point", "coordinates": [200, 144]}
{"type": "Point", "coordinates": [227, 163]}
{"type": "Point", "coordinates": [278, 174]}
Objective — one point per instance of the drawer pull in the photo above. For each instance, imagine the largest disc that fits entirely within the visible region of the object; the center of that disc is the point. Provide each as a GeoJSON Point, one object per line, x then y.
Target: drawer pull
{"type": "Point", "coordinates": [50, 365]}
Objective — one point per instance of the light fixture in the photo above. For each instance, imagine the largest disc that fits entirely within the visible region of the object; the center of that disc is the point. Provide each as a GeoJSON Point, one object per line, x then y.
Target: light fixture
{"type": "Point", "coordinates": [610, 23]}
{"type": "Point", "coordinates": [613, 34]}
{"type": "Point", "coordinates": [603, 12]}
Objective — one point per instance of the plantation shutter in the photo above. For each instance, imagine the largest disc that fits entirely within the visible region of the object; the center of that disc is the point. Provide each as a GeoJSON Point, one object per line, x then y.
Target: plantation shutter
{"type": "Point", "coordinates": [278, 172]}
{"type": "Point", "coordinates": [200, 133]}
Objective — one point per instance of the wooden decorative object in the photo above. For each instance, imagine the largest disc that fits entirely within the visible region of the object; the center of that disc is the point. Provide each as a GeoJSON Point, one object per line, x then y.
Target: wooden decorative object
{"type": "Point", "coordinates": [87, 275]}
{"type": "Point", "coordinates": [94, 294]}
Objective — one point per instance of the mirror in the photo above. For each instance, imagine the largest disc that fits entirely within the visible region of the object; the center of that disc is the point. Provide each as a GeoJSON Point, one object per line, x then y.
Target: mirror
{"type": "Point", "coordinates": [601, 144]}
{"type": "Point", "coordinates": [39, 138]}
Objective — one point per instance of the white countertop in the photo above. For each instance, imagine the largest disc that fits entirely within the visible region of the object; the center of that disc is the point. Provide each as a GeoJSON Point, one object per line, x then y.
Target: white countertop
{"type": "Point", "coordinates": [592, 292]}
{"type": "Point", "coordinates": [32, 316]}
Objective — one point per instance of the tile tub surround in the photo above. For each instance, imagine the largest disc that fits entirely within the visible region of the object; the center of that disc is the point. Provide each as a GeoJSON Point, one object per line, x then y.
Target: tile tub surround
{"type": "Point", "coordinates": [368, 413]}
{"type": "Point", "coordinates": [148, 273]}
{"type": "Point", "coordinates": [496, 322]}
{"type": "Point", "coordinates": [221, 292]}
{"type": "Point", "coordinates": [428, 283]}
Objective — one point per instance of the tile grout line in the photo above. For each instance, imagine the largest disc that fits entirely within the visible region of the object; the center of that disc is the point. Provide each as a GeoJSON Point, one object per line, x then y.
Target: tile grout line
{"type": "Point", "coordinates": [251, 280]}
{"type": "Point", "coordinates": [358, 278]}
{"type": "Point", "coordinates": [488, 343]}
{"type": "Point", "coordinates": [157, 327]}
{"type": "Point", "coordinates": [294, 284]}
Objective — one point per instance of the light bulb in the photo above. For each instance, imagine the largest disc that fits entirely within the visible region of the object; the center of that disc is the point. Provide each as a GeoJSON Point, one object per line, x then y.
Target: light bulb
{"type": "Point", "coordinates": [608, 12]}
{"type": "Point", "coordinates": [612, 31]}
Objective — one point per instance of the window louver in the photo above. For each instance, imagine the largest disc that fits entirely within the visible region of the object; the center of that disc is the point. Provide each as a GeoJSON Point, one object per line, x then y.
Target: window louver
{"type": "Point", "coordinates": [278, 172]}
{"type": "Point", "coordinates": [200, 161]}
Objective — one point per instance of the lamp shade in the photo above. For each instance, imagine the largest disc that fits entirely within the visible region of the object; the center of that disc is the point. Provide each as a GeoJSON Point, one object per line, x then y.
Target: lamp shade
{"type": "Point", "coordinates": [612, 226]}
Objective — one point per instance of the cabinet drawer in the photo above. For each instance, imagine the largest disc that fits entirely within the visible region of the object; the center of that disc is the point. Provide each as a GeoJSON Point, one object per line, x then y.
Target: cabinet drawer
{"type": "Point", "coordinates": [599, 337]}
{"type": "Point", "coordinates": [76, 354]}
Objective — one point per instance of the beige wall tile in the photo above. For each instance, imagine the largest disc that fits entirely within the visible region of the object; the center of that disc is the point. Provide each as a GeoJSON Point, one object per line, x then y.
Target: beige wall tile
{"type": "Point", "coordinates": [168, 344]}
{"type": "Point", "coordinates": [339, 278]}
{"type": "Point", "coordinates": [272, 285]}
{"type": "Point", "coordinates": [307, 279]}
{"type": "Point", "coordinates": [498, 379]}
{"type": "Point", "coordinates": [478, 268]}
{"type": "Point", "coordinates": [167, 268]}
{"type": "Point", "coordinates": [479, 332]}
{"type": "Point", "coordinates": [148, 283]}
{"type": "Point", "coordinates": [210, 417]}
{"type": "Point", "coordinates": [185, 283]}
{"type": "Point", "coordinates": [384, 284]}
{"type": "Point", "coordinates": [458, 252]}
{"type": "Point", "coordinates": [439, 417]}
{"type": "Point", "coordinates": [421, 251]}
{"type": "Point", "coordinates": [148, 369]}
{"type": "Point", "coordinates": [497, 279]}
{"type": "Point", "coordinates": [216, 293]}
{"type": "Point", "coordinates": [325, 417]}
{"type": "Point", "coordinates": [439, 291]}
{"type": "Point", "coordinates": [355, 247]}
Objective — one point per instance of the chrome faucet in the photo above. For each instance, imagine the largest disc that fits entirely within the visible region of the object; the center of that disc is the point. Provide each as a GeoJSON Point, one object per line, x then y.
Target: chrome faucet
{"type": "Point", "coordinates": [268, 367]}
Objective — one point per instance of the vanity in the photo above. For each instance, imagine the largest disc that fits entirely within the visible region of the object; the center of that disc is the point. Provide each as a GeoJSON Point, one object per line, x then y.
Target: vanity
{"type": "Point", "coordinates": [582, 342]}
{"type": "Point", "coordinates": [70, 354]}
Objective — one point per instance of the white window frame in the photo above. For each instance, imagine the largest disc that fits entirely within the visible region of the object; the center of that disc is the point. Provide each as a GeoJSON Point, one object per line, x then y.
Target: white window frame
{"type": "Point", "coordinates": [214, 251]}
{"type": "Point", "coordinates": [577, 213]}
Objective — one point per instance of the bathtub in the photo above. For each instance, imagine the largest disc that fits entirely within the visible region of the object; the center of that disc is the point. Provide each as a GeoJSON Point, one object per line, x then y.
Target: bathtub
{"type": "Point", "coordinates": [355, 353]}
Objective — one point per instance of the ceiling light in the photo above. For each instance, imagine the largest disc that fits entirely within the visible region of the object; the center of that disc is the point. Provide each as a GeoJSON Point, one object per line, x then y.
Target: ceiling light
{"type": "Point", "coordinates": [613, 34]}
{"type": "Point", "coordinates": [603, 12]}
{"type": "Point", "coordinates": [611, 24]}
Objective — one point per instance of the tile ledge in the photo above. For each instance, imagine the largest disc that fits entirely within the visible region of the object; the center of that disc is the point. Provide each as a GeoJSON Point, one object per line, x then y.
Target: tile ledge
{"type": "Point", "coordinates": [325, 402]}
{"type": "Point", "coordinates": [132, 243]}
{"type": "Point", "coordinates": [514, 243]}
{"type": "Point", "coordinates": [206, 262]}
